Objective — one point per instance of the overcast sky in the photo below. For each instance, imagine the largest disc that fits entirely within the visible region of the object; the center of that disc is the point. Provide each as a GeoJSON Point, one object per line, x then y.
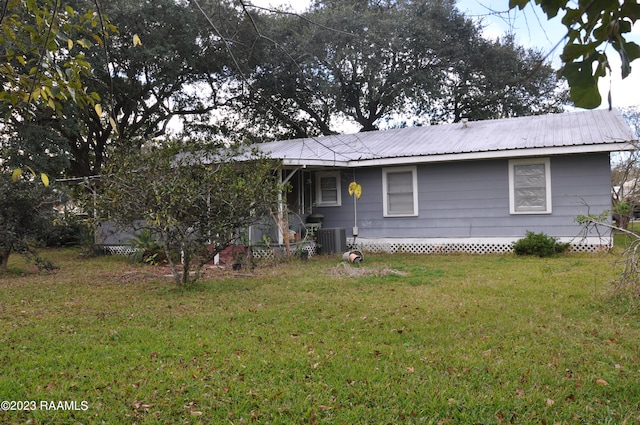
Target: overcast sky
{"type": "Point", "coordinates": [532, 29]}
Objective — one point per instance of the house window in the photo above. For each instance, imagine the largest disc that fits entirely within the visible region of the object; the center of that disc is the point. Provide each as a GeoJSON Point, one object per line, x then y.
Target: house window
{"type": "Point", "coordinates": [530, 186]}
{"type": "Point", "coordinates": [400, 192]}
{"type": "Point", "coordinates": [328, 189]}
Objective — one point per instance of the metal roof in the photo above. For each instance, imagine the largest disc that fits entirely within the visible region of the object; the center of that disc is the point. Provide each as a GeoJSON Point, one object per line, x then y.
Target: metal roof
{"type": "Point", "coordinates": [572, 132]}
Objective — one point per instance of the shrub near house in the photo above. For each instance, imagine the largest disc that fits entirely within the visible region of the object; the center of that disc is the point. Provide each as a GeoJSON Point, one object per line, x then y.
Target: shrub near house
{"type": "Point", "coordinates": [539, 244]}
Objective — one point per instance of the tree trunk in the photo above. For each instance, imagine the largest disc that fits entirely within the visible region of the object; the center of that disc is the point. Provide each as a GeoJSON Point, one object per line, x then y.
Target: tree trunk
{"type": "Point", "coordinates": [186, 265]}
{"type": "Point", "coordinates": [172, 265]}
{"type": "Point", "coordinates": [4, 259]}
{"type": "Point", "coordinates": [623, 221]}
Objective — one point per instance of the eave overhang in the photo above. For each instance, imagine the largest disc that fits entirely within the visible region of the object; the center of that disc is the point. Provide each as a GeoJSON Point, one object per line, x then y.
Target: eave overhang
{"type": "Point", "coordinates": [464, 156]}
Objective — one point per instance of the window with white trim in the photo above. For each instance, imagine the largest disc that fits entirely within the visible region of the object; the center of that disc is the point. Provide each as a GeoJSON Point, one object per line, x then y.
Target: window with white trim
{"type": "Point", "coordinates": [328, 189]}
{"type": "Point", "coordinates": [400, 192]}
{"type": "Point", "coordinates": [530, 186]}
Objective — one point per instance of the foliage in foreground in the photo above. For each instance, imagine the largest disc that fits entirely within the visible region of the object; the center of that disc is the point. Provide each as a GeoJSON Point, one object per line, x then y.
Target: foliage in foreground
{"type": "Point", "coordinates": [592, 27]}
{"type": "Point", "coordinates": [43, 55]}
{"type": "Point", "coordinates": [26, 213]}
{"type": "Point", "coordinates": [442, 339]}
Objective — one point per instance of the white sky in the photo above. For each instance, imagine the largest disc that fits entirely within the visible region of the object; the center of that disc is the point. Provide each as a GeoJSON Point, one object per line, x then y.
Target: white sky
{"type": "Point", "coordinates": [532, 29]}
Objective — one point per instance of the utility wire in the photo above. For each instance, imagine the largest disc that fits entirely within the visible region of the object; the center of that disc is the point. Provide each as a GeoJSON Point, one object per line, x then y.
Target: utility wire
{"type": "Point", "coordinates": [244, 78]}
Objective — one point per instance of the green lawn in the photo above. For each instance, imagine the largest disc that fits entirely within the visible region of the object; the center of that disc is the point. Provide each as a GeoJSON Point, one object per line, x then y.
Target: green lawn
{"type": "Point", "coordinates": [401, 339]}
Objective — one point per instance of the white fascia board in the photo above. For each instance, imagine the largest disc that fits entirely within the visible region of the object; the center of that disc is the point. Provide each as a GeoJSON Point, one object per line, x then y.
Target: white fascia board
{"type": "Point", "coordinates": [301, 162]}
{"type": "Point", "coordinates": [422, 159]}
{"type": "Point", "coordinates": [515, 153]}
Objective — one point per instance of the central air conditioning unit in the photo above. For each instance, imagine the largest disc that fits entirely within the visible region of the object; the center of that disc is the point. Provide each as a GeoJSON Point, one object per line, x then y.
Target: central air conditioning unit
{"type": "Point", "coordinates": [332, 241]}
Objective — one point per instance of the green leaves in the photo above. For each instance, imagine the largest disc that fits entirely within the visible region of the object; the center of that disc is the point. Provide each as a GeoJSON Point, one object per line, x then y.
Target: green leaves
{"type": "Point", "coordinates": [41, 61]}
{"type": "Point", "coordinates": [628, 52]}
{"type": "Point", "coordinates": [583, 80]}
{"type": "Point", "coordinates": [551, 7]}
{"type": "Point", "coordinates": [520, 4]}
{"type": "Point", "coordinates": [590, 29]}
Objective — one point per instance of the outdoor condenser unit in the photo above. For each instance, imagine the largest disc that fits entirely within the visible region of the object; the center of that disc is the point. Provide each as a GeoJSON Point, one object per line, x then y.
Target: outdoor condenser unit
{"type": "Point", "coordinates": [332, 241]}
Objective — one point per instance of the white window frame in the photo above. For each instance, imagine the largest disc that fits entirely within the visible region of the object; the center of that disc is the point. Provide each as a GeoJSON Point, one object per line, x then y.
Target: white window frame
{"type": "Point", "coordinates": [512, 194]}
{"type": "Point", "coordinates": [385, 194]}
{"type": "Point", "coordinates": [324, 203]}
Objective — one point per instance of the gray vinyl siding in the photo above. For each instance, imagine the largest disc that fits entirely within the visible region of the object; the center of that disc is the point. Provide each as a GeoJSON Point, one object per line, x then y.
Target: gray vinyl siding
{"type": "Point", "coordinates": [471, 199]}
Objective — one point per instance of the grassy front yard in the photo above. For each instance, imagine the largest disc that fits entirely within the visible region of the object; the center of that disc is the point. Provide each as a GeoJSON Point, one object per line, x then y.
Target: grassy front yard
{"type": "Point", "coordinates": [400, 339]}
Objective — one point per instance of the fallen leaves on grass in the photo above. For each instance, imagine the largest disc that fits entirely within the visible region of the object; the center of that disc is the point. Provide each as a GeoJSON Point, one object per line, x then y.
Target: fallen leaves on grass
{"type": "Point", "coordinates": [139, 405]}
{"type": "Point", "coordinates": [137, 273]}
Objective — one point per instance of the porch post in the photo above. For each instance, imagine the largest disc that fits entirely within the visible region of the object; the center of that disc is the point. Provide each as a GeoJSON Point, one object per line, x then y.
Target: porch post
{"type": "Point", "coordinates": [280, 209]}
{"type": "Point", "coordinates": [282, 203]}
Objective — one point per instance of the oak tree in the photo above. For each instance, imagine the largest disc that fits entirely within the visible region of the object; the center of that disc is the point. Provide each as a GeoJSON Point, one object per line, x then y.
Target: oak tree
{"type": "Point", "coordinates": [369, 62]}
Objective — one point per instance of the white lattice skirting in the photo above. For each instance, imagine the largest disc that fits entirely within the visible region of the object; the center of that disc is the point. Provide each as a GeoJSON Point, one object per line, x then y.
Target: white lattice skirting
{"type": "Point", "coordinates": [118, 249]}
{"type": "Point", "coordinates": [465, 245]}
{"type": "Point", "coordinates": [264, 252]}
{"type": "Point", "coordinates": [258, 252]}
{"type": "Point", "coordinates": [413, 246]}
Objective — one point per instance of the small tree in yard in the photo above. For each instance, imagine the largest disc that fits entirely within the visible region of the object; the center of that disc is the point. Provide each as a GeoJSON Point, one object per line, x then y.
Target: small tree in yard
{"type": "Point", "coordinates": [26, 211]}
{"type": "Point", "coordinates": [192, 197]}
{"type": "Point", "coordinates": [625, 177]}
{"type": "Point", "coordinates": [629, 280]}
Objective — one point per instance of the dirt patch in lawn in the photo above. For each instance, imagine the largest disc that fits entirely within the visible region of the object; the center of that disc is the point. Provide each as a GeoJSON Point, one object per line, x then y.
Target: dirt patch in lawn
{"type": "Point", "coordinates": [349, 270]}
